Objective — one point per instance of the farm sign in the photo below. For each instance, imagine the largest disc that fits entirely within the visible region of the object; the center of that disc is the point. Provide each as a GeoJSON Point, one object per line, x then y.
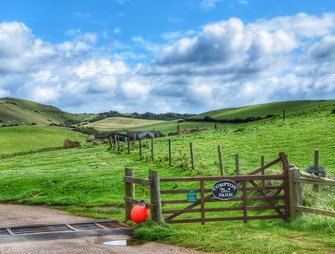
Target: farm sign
{"type": "Point", "coordinates": [191, 196]}
{"type": "Point", "coordinates": [225, 190]}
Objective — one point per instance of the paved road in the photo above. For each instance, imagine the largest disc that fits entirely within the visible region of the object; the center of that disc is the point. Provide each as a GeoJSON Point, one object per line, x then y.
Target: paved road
{"type": "Point", "coordinates": [18, 215]}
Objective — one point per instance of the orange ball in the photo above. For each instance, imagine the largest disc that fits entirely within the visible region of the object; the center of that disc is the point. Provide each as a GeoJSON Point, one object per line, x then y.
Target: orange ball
{"type": "Point", "coordinates": [139, 213]}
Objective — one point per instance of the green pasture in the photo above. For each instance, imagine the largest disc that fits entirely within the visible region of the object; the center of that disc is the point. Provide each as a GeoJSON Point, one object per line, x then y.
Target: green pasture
{"type": "Point", "coordinates": [298, 137]}
{"type": "Point", "coordinates": [122, 123]}
{"type": "Point", "coordinates": [274, 108]}
{"type": "Point", "coordinates": [171, 126]}
{"type": "Point", "coordinates": [18, 139]}
{"type": "Point", "coordinates": [89, 181]}
{"type": "Point", "coordinates": [22, 112]}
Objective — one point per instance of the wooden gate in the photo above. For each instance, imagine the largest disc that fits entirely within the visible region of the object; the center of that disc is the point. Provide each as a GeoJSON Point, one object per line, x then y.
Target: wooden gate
{"type": "Point", "coordinates": [261, 196]}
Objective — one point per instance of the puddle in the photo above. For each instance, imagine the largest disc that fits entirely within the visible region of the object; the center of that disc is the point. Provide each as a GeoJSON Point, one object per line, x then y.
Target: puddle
{"type": "Point", "coordinates": [127, 242]}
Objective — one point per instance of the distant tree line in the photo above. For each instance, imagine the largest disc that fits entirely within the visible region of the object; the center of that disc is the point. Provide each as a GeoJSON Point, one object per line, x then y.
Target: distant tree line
{"type": "Point", "coordinates": [235, 120]}
{"type": "Point", "coordinates": [147, 115]}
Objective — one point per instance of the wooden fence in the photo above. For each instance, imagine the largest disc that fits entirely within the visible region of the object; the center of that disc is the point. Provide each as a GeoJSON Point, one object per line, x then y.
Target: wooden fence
{"type": "Point", "coordinates": [296, 179]}
{"type": "Point", "coordinates": [130, 198]}
{"type": "Point", "coordinates": [273, 189]}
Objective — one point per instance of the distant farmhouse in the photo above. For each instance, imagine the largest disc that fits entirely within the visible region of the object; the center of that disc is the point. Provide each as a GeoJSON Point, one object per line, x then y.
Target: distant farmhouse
{"type": "Point", "coordinates": [144, 134]}
{"type": "Point", "coordinates": [136, 135]}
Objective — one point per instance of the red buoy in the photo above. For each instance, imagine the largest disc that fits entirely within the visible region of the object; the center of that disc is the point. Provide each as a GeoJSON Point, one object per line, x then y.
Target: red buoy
{"type": "Point", "coordinates": [139, 213]}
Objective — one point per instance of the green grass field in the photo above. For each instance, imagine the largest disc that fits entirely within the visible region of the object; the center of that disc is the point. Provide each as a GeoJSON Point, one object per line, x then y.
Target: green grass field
{"type": "Point", "coordinates": [17, 111]}
{"type": "Point", "coordinates": [171, 126]}
{"type": "Point", "coordinates": [274, 108]}
{"type": "Point", "coordinates": [18, 139]}
{"type": "Point", "coordinates": [122, 124]}
{"type": "Point", "coordinates": [88, 181]}
{"type": "Point", "coordinates": [292, 108]}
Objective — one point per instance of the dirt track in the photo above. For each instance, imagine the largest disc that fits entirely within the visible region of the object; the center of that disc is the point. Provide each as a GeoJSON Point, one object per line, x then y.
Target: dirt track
{"type": "Point", "coordinates": [18, 215]}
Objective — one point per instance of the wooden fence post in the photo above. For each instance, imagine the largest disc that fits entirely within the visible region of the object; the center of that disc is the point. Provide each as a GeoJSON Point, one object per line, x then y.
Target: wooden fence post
{"type": "Point", "coordinates": [316, 165]}
{"type": "Point", "coordinates": [170, 157]}
{"type": "Point", "coordinates": [316, 158]}
{"type": "Point", "coordinates": [110, 141]}
{"type": "Point", "coordinates": [284, 116]}
{"type": "Point", "coordinates": [244, 200]}
{"type": "Point", "coordinates": [192, 156]}
{"type": "Point", "coordinates": [295, 192]}
{"type": "Point", "coordinates": [118, 144]}
{"type": "Point", "coordinates": [152, 149]}
{"type": "Point", "coordinates": [263, 170]}
{"type": "Point", "coordinates": [202, 201]}
{"type": "Point", "coordinates": [220, 160]}
{"type": "Point", "coordinates": [178, 130]}
{"type": "Point", "coordinates": [129, 192]}
{"type": "Point", "coordinates": [262, 161]}
{"type": "Point", "coordinates": [237, 163]}
{"type": "Point", "coordinates": [286, 168]}
{"type": "Point", "coordinates": [140, 146]}
{"type": "Point", "coordinates": [155, 198]}
{"type": "Point", "coordinates": [128, 143]}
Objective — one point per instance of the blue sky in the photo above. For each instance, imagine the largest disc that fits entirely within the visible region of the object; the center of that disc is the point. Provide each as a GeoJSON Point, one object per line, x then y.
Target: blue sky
{"type": "Point", "coordinates": [160, 56]}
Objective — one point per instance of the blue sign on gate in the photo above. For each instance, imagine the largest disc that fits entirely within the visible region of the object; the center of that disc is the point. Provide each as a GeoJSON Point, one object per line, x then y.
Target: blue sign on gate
{"type": "Point", "coordinates": [191, 196]}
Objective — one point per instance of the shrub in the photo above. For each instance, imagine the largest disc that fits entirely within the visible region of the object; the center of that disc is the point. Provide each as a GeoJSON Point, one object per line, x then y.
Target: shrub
{"type": "Point", "coordinates": [70, 144]}
{"type": "Point", "coordinates": [152, 231]}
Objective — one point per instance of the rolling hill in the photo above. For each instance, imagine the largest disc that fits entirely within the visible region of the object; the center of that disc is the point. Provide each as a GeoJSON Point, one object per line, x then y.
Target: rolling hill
{"type": "Point", "coordinates": [122, 123]}
{"type": "Point", "coordinates": [254, 112]}
{"type": "Point", "coordinates": [23, 139]}
{"type": "Point", "coordinates": [23, 112]}
{"type": "Point", "coordinates": [263, 110]}
{"type": "Point", "coordinates": [89, 181]}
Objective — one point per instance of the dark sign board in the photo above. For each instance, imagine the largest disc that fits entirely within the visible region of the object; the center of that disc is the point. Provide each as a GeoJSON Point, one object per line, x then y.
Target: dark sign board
{"type": "Point", "coordinates": [225, 189]}
{"type": "Point", "coordinates": [191, 196]}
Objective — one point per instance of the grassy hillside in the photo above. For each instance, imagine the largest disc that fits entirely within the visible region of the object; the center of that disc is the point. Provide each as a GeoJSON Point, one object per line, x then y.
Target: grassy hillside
{"type": "Point", "coordinates": [274, 108]}
{"type": "Point", "coordinates": [171, 126]}
{"type": "Point", "coordinates": [292, 108]}
{"type": "Point", "coordinates": [21, 112]}
{"type": "Point", "coordinates": [88, 181]}
{"type": "Point", "coordinates": [298, 137]}
{"type": "Point", "coordinates": [122, 123]}
{"type": "Point", "coordinates": [18, 139]}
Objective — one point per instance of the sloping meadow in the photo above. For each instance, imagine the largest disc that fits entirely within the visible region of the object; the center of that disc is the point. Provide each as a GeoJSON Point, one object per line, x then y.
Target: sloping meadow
{"type": "Point", "coordinates": [89, 181]}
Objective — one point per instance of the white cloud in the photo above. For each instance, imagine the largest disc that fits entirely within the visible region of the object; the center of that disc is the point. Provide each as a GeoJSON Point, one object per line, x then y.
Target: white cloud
{"type": "Point", "coordinates": [226, 63]}
{"type": "Point", "coordinates": [278, 59]}
{"type": "Point", "coordinates": [135, 90]}
{"type": "Point", "coordinates": [46, 94]}
{"type": "Point", "coordinates": [4, 93]}
{"type": "Point", "coordinates": [64, 74]}
{"type": "Point", "coordinates": [209, 4]}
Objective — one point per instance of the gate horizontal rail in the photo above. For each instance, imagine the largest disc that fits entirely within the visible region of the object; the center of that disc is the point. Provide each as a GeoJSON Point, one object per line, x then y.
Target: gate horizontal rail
{"type": "Point", "coordinates": [252, 187]}
{"type": "Point", "coordinates": [281, 187]}
{"type": "Point", "coordinates": [218, 178]}
{"type": "Point", "coordinates": [296, 179]}
{"type": "Point", "coordinates": [249, 188]}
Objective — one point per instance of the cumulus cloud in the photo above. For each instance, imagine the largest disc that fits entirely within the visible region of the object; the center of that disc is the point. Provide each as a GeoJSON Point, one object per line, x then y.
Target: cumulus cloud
{"type": "Point", "coordinates": [225, 64]}
{"type": "Point", "coordinates": [231, 63]}
{"type": "Point", "coordinates": [71, 73]}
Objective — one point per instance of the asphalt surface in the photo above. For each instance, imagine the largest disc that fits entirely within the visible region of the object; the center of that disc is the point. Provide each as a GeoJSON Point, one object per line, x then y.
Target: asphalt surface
{"type": "Point", "coordinates": [18, 215]}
